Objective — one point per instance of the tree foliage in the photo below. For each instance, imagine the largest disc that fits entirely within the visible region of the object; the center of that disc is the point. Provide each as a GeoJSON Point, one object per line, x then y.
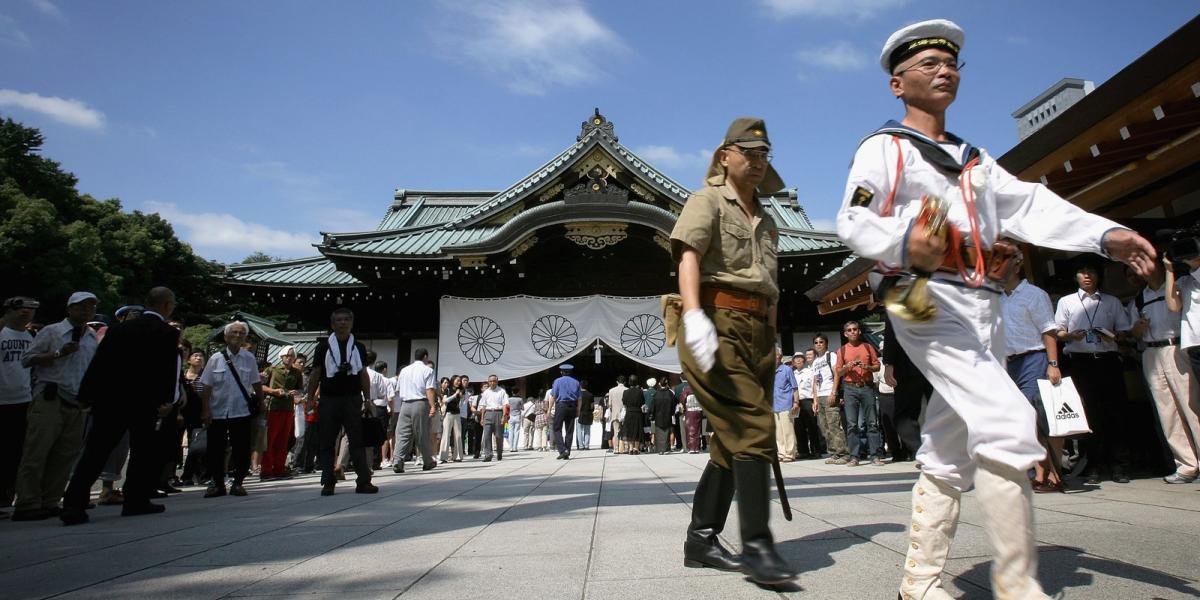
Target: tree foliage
{"type": "Point", "coordinates": [55, 240]}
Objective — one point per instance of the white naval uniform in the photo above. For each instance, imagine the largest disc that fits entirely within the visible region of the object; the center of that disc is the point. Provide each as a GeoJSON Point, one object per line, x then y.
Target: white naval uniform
{"type": "Point", "coordinates": [976, 409]}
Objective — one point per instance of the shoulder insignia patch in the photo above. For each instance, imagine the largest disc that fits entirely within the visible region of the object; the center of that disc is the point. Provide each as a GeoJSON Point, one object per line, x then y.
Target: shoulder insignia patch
{"type": "Point", "coordinates": [862, 197]}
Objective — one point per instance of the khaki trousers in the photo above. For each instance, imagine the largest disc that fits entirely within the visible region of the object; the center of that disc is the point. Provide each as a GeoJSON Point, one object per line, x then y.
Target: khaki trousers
{"type": "Point", "coordinates": [831, 425]}
{"type": "Point", "coordinates": [736, 393]}
{"type": "Point", "coordinates": [785, 435]}
{"type": "Point", "coordinates": [53, 440]}
{"type": "Point", "coordinates": [1177, 400]}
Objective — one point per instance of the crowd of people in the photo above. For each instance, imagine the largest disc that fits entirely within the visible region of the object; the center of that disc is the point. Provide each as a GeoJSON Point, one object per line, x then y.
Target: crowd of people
{"type": "Point", "coordinates": [147, 409]}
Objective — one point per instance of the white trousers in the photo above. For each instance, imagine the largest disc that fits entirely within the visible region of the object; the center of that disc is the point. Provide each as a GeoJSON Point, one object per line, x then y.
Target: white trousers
{"type": "Point", "coordinates": [1177, 401]}
{"type": "Point", "coordinates": [976, 410]}
{"type": "Point", "coordinates": [785, 435]}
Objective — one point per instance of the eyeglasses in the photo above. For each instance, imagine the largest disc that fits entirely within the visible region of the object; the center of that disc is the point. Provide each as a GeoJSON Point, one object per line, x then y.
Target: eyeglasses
{"type": "Point", "coordinates": [752, 155]}
{"type": "Point", "coordinates": [930, 66]}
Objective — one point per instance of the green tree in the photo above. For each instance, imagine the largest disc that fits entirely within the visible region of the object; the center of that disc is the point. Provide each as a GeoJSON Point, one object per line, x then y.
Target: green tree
{"type": "Point", "coordinates": [259, 257]}
{"type": "Point", "coordinates": [54, 240]}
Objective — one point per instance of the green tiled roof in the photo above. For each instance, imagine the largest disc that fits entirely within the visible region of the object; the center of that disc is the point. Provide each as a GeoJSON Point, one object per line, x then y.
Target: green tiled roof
{"type": "Point", "coordinates": [312, 271]}
{"type": "Point", "coordinates": [431, 224]}
{"type": "Point", "coordinates": [420, 208]}
{"type": "Point", "coordinates": [423, 242]}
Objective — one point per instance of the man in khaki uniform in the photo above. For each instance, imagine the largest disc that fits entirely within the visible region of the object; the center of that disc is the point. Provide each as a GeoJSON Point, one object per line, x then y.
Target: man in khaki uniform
{"type": "Point", "coordinates": [726, 247]}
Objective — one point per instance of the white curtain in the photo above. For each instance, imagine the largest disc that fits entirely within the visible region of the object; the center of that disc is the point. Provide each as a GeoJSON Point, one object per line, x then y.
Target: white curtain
{"type": "Point", "coordinates": [521, 335]}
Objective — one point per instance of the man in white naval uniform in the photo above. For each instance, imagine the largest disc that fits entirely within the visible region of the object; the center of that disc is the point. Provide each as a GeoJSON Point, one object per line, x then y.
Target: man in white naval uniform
{"type": "Point", "coordinates": [979, 429]}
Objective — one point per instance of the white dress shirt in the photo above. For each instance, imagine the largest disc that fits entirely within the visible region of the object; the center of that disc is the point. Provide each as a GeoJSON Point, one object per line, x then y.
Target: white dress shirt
{"type": "Point", "coordinates": [382, 389]}
{"type": "Point", "coordinates": [413, 381]}
{"type": "Point", "coordinates": [67, 370]}
{"type": "Point", "coordinates": [1080, 311]}
{"type": "Point", "coordinates": [1189, 328]}
{"type": "Point", "coordinates": [227, 402]}
{"type": "Point", "coordinates": [1026, 314]}
{"type": "Point", "coordinates": [493, 399]}
{"type": "Point", "coordinates": [804, 382]}
{"type": "Point", "coordinates": [1163, 324]}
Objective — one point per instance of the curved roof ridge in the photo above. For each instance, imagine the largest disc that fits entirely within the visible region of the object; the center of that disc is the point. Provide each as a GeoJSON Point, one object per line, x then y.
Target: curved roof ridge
{"type": "Point", "coordinates": [274, 264]}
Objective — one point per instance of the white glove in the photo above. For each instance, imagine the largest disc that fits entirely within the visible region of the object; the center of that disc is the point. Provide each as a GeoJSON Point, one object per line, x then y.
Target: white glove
{"type": "Point", "coordinates": [701, 338]}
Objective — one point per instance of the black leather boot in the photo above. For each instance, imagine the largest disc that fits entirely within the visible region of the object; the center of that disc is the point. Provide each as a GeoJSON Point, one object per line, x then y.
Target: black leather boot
{"type": "Point", "coordinates": [710, 507]}
{"type": "Point", "coordinates": [760, 561]}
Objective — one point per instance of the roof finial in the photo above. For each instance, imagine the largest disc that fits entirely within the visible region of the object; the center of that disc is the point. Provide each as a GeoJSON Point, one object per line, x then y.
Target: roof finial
{"type": "Point", "coordinates": [596, 122]}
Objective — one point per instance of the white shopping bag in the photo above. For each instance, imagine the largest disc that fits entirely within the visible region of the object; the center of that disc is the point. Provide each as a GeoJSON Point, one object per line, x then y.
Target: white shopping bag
{"type": "Point", "coordinates": [1064, 409]}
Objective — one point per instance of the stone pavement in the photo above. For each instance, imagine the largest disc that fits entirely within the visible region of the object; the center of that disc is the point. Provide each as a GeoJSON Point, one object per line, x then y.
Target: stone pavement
{"type": "Point", "coordinates": [598, 526]}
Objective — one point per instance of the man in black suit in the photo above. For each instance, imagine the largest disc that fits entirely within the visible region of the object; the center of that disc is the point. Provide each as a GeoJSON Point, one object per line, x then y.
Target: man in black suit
{"type": "Point", "coordinates": [131, 383]}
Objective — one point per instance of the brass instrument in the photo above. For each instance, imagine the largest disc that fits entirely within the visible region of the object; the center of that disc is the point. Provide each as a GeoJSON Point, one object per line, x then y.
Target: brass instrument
{"type": "Point", "coordinates": [911, 301]}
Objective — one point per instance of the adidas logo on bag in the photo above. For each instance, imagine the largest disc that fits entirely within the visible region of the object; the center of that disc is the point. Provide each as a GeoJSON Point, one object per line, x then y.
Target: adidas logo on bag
{"type": "Point", "coordinates": [1066, 413]}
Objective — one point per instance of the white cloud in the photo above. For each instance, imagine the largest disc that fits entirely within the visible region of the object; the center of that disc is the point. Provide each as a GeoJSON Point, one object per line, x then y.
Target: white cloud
{"type": "Point", "coordinates": [838, 56]}
{"type": "Point", "coordinates": [225, 232]}
{"type": "Point", "coordinates": [69, 111]}
{"type": "Point", "coordinates": [670, 158]}
{"type": "Point", "coordinates": [836, 9]}
{"type": "Point", "coordinates": [47, 8]}
{"type": "Point", "coordinates": [11, 34]}
{"type": "Point", "coordinates": [530, 45]}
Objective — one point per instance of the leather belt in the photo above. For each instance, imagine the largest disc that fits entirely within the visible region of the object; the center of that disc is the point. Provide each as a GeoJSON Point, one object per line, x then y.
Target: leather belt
{"type": "Point", "coordinates": [716, 297]}
{"type": "Point", "coordinates": [1096, 355]}
{"type": "Point", "coordinates": [1160, 343]}
{"type": "Point", "coordinates": [1025, 353]}
{"type": "Point", "coordinates": [493, 410]}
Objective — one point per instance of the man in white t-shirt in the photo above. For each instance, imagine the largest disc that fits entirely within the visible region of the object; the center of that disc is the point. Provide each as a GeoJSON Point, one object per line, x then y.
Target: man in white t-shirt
{"type": "Point", "coordinates": [826, 406]}
{"type": "Point", "coordinates": [15, 393]}
{"type": "Point", "coordinates": [415, 400]}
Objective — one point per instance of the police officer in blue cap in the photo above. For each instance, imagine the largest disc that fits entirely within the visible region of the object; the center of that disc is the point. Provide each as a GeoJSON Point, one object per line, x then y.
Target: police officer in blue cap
{"type": "Point", "coordinates": [566, 396]}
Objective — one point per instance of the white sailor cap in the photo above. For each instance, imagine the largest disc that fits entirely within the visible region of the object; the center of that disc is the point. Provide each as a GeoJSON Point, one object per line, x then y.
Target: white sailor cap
{"type": "Point", "coordinates": [935, 33]}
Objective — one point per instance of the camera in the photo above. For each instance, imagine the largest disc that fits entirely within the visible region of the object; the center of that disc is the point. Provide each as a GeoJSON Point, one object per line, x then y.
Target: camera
{"type": "Point", "coordinates": [343, 369]}
{"type": "Point", "coordinates": [1184, 244]}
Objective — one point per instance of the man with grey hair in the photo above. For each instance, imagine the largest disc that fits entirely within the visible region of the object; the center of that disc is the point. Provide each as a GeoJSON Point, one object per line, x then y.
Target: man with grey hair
{"type": "Point", "coordinates": [339, 372]}
{"type": "Point", "coordinates": [132, 381]}
{"type": "Point", "coordinates": [415, 401]}
{"type": "Point", "coordinates": [231, 387]}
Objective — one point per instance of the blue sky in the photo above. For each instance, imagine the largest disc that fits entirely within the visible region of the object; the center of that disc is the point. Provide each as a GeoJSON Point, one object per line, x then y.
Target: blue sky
{"type": "Point", "coordinates": [255, 125]}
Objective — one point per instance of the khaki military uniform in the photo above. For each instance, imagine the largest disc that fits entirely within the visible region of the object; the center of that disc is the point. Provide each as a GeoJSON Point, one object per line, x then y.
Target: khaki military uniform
{"type": "Point", "coordinates": [737, 253]}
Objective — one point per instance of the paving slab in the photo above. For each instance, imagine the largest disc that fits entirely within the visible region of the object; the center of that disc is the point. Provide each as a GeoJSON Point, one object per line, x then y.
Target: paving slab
{"type": "Point", "coordinates": [597, 526]}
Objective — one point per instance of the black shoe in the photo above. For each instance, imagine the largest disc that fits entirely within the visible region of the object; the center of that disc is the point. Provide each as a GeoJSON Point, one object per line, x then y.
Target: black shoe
{"type": "Point", "coordinates": [760, 562]}
{"type": "Point", "coordinates": [366, 488]}
{"type": "Point", "coordinates": [487, 459]}
{"type": "Point", "coordinates": [167, 488]}
{"type": "Point", "coordinates": [327, 489]}
{"type": "Point", "coordinates": [73, 516]}
{"type": "Point", "coordinates": [1120, 477]}
{"type": "Point", "coordinates": [566, 456]}
{"type": "Point", "coordinates": [428, 467]}
{"type": "Point", "coordinates": [1092, 478]}
{"type": "Point", "coordinates": [237, 490]}
{"type": "Point", "coordinates": [149, 508]}
{"type": "Point", "coordinates": [53, 511]}
{"type": "Point", "coordinates": [214, 490]}
{"type": "Point", "coordinates": [31, 514]}
{"type": "Point", "coordinates": [560, 456]}
{"type": "Point", "coordinates": [398, 467]}
{"type": "Point", "coordinates": [710, 508]}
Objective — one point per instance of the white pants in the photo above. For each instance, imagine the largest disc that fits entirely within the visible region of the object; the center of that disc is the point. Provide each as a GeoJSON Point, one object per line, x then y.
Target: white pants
{"type": "Point", "coordinates": [785, 435]}
{"type": "Point", "coordinates": [976, 410]}
{"type": "Point", "coordinates": [451, 437]}
{"type": "Point", "coordinates": [1177, 401]}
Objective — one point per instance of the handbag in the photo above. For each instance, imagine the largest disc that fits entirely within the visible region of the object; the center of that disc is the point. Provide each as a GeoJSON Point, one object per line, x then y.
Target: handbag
{"type": "Point", "coordinates": [373, 432]}
{"type": "Point", "coordinates": [251, 404]}
{"type": "Point", "coordinates": [1064, 408]}
{"type": "Point", "coordinates": [199, 442]}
